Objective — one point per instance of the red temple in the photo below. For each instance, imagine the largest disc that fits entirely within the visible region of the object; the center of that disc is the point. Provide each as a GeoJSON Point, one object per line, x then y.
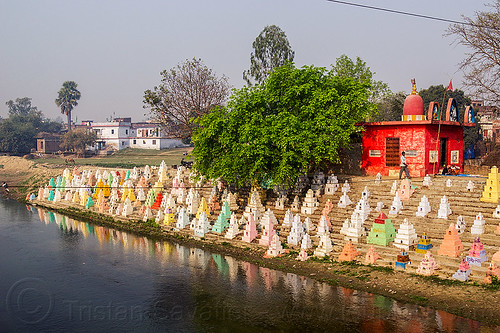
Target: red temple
{"type": "Point", "coordinates": [429, 142]}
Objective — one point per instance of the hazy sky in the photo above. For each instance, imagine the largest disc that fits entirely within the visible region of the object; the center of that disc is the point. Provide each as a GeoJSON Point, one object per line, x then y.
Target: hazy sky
{"type": "Point", "coordinates": [115, 49]}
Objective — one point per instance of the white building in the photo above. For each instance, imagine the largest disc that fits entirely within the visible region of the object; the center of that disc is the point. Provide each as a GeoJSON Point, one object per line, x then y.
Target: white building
{"type": "Point", "coordinates": [122, 133]}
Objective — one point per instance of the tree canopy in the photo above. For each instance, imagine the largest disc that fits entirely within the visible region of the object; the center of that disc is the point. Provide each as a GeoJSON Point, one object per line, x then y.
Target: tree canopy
{"type": "Point", "coordinates": [271, 49]}
{"type": "Point", "coordinates": [25, 121]}
{"type": "Point", "coordinates": [298, 119]}
{"type": "Point", "coordinates": [346, 67]}
{"type": "Point", "coordinates": [78, 140]}
{"type": "Point", "coordinates": [67, 99]}
{"type": "Point", "coordinates": [186, 92]}
{"type": "Point", "coordinates": [481, 65]}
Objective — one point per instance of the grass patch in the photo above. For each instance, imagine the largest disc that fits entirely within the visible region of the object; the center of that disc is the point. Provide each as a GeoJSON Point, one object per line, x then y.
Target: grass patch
{"type": "Point", "coordinates": [126, 158]}
{"type": "Point", "coordinates": [419, 299]}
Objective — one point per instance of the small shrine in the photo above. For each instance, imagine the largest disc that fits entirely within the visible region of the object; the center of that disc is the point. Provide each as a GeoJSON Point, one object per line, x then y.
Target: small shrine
{"type": "Point", "coordinates": [430, 139]}
{"type": "Point", "coordinates": [496, 213]}
{"type": "Point", "coordinates": [444, 208]}
{"type": "Point", "coordinates": [223, 219]}
{"type": "Point", "coordinates": [460, 225]}
{"type": "Point", "coordinates": [288, 219]}
{"type": "Point", "coordinates": [406, 238]}
{"type": "Point", "coordinates": [306, 242]}
{"type": "Point", "coordinates": [397, 205]}
{"type": "Point", "coordinates": [428, 265]}
{"type": "Point", "coordinates": [378, 179]}
{"type": "Point", "coordinates": [202, 226]}
{"type": "Point", "coordinates": [254, 206]}
{"type": "Point", "coordinates": [295, 204]}
{"type": "Point", "coordinates": [344, 201]}
{"type": "Point", "coordinates": [332, 184]}
{"type": "Point", "coordinates": [371, 256]}
{"type": "Point", "coordinates": [203, 207]}
{"type": "Point", "coordinates": [325, 246]}
{"type": "Point", "coordinates": [182, 219]}
{"type": "Point", "coordinates": [463, 271]}
{"type": "Point", "coordinates": [451, 245]}
{"type": "Point", "coordinates": [169, 216]}
{"type": "Point", "coordinates": [477, 253]}
{"type": "Point", "coordinates": [493, 270]}
{"type": "Point", "coordinates": [478, 226]}
{"type": "Point", "coordinates": [310, 203]}
{"type": "Point", "coordinates": [250, 230]}
{"type": "Point", "coordinates": [496, 257]}
{"type": "Point", "coordinates": [402, 259]}
{"type": "Point", "coordinates": [470, 186]}
{"type": "Point", "coordinates": [275, 248]}
{"type": "Point", "coordinates": [349, 253]}
{"type": "Point", "coordinates": [296, 233]}
{"type": "Point", "coordinates": [355, 228]}
{"type": "Point", "coordinates": [394, 187]}
{"type": "Point", "coordinates": [448, 183]}
{"type": "Point", "coordinates": [424, 207]}
{"type": "Point", "coordinates": [382, 231]}
{"type": "Point", "coordinates": [405, 190]}
{"type": "Point", "coordinates": [424, 244]}
{"type": "Point", "coordinates": [234, 229]}
{"type": "Point", "coordinates": [491, 191]}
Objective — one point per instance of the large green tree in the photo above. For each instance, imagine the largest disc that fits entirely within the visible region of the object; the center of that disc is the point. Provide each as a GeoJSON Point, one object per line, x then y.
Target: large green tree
{"type": "Point", "coordinates": [357, 69]}
{"type": "Point", "coordinates": [186, 92]}
{"type": "Point", "coordinates": [296, 120]}
{"type": "Point", "coordinates": [271, 49]}
{"type": "Point", "coordinates": [481, 65]}
{"type": "Point", "coordinates": [67, 99]}
{"type": "Point", "coordinates": [25, 121]}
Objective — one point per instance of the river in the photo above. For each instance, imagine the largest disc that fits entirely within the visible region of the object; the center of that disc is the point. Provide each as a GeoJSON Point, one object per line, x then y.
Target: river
{"type": "Point", "coordinates": [62, 275]}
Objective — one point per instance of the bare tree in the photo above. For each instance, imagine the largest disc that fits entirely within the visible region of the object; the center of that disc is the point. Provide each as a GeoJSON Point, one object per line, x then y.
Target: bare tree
{"type": "Point", "coordinates": [186, 92]}
{"type": "Point", "coordinates": [481, 34]}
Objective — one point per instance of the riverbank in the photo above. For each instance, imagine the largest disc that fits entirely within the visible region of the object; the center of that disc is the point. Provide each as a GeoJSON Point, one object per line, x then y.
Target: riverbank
{"type": "Point", "coordinates": [469, 299]}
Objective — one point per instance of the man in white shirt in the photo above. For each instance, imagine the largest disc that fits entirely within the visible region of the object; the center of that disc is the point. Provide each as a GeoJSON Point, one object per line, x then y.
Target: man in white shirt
{"type": "Point", "coordinates": [404, 166]}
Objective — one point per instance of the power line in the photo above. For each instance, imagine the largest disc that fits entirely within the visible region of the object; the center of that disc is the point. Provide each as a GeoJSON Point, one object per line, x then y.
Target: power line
{"type": "Point", "coordinates": [435, 18]}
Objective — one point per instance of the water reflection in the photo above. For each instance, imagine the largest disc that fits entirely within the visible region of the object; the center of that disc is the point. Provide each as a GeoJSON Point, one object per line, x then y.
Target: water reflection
{"type": "Point", "coordinates": [214, 292]}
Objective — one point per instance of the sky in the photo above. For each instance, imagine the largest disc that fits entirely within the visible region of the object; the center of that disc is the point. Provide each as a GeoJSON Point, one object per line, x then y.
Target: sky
{"type": "Point", "coordinates": [115, 49]}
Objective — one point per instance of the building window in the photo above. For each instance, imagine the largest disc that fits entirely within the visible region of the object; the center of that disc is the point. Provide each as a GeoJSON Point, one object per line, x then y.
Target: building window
{"type": "Point", "coordinates": [392, 152]}
{"type": "Point", "coordinates": [123, 143]}
{"type": "Point", "coordinates": [143, 142]}
{"type": "Point", "coordinates": [135, 141]}
{"type": "Point", "coordinates": [126, 131]}
{"type": "Point", "coordinates": [154, 142]}
{"type": "Point", "coordinates": [112, 131]}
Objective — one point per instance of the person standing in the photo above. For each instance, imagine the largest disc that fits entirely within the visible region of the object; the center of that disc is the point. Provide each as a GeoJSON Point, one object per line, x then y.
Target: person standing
{"type": "Point", "coordinates": [404, 167]}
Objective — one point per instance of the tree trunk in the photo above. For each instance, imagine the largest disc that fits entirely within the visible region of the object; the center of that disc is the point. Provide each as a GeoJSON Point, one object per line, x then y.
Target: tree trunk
{"type": "Point", "coordinates": [69, 121]}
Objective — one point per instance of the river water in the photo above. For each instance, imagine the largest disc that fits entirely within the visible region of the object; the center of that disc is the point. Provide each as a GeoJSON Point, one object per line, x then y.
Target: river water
{"type": "Point", "coordinates": [62, 275]}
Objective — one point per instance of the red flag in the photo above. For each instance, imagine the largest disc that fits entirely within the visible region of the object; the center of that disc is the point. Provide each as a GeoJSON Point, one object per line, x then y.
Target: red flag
{"type": "Point", "coordinates": [450, 86]}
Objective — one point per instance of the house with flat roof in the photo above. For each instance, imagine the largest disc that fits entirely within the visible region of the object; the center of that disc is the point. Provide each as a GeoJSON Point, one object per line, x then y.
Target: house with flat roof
{"type": "Point", "coordinates": [122, 133]}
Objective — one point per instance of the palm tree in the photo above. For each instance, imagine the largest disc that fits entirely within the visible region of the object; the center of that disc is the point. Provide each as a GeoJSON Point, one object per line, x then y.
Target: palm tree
{"type": "Point", "coordinates": [68, 99]}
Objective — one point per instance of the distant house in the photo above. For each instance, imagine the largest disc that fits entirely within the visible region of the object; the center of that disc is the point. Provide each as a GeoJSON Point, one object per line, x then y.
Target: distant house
{"type": "Point", "coordinates": [121, 133]}
{"type": "Point", "coordinates": [488, 120]}
{"type": "Point", "coordinates": [47, 143]}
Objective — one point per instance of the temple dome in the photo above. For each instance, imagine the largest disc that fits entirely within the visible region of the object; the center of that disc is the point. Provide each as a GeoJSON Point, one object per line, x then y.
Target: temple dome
{"type": "Point", "coordinates": [414, 105]}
